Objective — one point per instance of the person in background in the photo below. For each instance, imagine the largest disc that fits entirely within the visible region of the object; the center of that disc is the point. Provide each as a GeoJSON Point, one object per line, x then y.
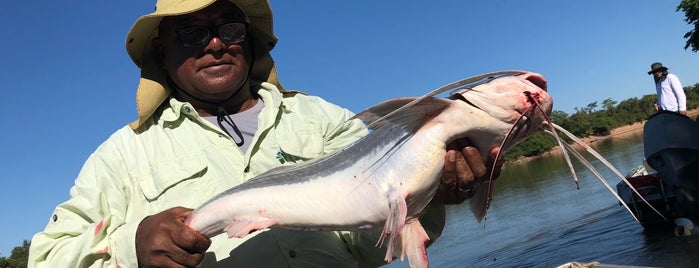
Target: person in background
{"type": "Point", "coordinates": [670, 93]}
{"type": "Point", "coordinates": [212, 115]}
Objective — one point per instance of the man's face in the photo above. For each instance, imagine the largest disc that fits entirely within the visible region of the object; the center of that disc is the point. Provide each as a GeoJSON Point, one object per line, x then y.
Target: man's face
{"type": "Point", "coordinates": [212, 72]}
{"type": "Point", "coordinates": [658, 73]}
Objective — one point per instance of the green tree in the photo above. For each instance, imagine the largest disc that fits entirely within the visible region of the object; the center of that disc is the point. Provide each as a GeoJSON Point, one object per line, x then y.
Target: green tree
{"type": "Point", "coordinates": [18, 258]}
{"type": "Point", "coordinates": [558, 117]}
{"type": "Point", "coordinates": [691, 13]}
{"type": "Point", "coordinates": [603, 126]}
{"type": "Point", "coordinates": [608, 104]}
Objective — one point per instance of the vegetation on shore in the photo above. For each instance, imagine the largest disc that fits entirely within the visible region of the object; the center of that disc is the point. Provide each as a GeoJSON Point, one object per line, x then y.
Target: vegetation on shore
{"type": "Point", "coordinates": [18, 258]}
{"type": "Point", "coordinates": [595, 119]}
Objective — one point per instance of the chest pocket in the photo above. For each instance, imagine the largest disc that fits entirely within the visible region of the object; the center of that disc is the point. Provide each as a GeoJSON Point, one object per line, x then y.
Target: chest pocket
{"type": "Point", "coordinates": [303, 143]}
{"type": "Point", "coordinates": [168, 174]}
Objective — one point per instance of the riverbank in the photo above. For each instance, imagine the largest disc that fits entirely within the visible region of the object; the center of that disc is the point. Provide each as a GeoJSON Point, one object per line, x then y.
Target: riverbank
{"type": "Point", "coordinates": [616, 133]}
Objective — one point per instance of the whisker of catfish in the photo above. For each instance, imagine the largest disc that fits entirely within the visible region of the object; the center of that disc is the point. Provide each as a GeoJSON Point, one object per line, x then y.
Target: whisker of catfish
{"type": "Point", "coordinates": [609, 165]}
{"type": "Point", "coordinates": [555, 135]}
{"type": "Point", "coordinates": [491, 179]}
{"type": "Point", "coordinates": [601, 178]}
{"type": "Point", "coordinates": [561, 143]}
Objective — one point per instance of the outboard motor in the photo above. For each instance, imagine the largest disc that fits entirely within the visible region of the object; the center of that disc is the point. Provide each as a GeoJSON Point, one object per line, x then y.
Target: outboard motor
{"type": "Point", "coordinates": [671, 146]}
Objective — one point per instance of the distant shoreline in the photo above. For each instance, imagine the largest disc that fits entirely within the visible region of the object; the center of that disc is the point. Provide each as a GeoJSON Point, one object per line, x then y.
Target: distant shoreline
{"type": "Point", "coordinates": [616, 133]}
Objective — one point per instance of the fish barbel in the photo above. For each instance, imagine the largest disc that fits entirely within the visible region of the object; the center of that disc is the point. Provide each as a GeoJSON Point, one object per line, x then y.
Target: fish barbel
{"type": "Point", "coordinates": [387, 178]}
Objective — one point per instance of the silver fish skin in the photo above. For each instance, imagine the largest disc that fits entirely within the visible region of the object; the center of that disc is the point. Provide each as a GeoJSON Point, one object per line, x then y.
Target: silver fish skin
{"type": "Point", "coordinates": [386, 179]}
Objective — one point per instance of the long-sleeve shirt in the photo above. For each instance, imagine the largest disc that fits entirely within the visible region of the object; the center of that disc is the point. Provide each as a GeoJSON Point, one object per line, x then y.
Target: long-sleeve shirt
{"type": "Point", "coordinates": [670, 93]}
{"type": "Point", "coordinates": [181, 159]}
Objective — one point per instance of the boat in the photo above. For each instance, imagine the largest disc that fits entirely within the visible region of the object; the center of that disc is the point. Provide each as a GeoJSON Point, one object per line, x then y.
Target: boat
{"type": "Point", "coordinates": [669, 176]}
{"type": "Point", "coordinates": [649, 184]}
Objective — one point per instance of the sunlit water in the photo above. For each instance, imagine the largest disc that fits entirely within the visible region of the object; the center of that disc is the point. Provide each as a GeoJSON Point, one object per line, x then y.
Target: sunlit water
{"type": "Point", "coordinates": [539, 219]}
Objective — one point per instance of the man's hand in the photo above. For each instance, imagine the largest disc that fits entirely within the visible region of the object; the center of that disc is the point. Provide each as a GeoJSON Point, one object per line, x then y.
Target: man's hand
{"type": "Point", "coordinates": [163, 240]}
{"type": "Point", "coordinates": [464, 168]}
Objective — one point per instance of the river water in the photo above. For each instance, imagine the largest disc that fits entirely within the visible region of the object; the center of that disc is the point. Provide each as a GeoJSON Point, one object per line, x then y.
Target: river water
{"type": "Point", "coordinates": [539, 219]}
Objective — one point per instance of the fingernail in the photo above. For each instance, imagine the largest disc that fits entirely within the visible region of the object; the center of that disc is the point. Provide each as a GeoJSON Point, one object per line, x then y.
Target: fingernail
{"type": "Point", "coordinates": [452, 157]}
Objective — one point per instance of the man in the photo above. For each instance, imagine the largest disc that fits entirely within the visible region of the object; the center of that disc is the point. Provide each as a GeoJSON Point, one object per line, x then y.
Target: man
{"type": "Point", "coordinates": [670, 93]}
{"type": "Point", "coordinates": [212, 115]}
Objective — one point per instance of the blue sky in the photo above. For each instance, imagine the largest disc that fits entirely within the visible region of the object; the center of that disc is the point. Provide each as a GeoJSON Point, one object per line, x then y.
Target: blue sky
{"type": "Point", "coordinates": [68, 83]}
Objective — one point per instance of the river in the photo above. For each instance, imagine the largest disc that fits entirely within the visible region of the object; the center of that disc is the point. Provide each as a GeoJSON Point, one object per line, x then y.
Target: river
{"type": "Point", "coordinates": [539, 219]}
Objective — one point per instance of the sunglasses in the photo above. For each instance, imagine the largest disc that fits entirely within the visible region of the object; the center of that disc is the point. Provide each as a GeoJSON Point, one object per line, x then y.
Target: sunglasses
{"type": "Point", "coordinates": [199, 36]}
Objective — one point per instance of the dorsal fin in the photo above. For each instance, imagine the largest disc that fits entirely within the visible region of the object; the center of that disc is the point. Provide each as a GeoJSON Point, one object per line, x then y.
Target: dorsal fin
{"type": "Point", "coordinates": [397, 112]}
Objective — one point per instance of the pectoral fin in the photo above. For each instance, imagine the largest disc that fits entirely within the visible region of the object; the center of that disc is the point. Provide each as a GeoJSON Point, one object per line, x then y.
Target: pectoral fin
{"type": "Point", "coordinates": [479, 201]}
{"type": "Point", "coordinates": [414, 239]}
{"type": "Point", "coordinates": [395, 222]}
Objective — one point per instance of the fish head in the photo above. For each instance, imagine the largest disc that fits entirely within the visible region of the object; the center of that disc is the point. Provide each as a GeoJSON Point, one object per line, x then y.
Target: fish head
{"type": "Point", "coordinates": [519, 100]}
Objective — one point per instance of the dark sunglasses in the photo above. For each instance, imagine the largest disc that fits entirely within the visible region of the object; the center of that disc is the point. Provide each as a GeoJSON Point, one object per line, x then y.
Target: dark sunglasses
{"type": "Point", "coordinates": [199, 36]}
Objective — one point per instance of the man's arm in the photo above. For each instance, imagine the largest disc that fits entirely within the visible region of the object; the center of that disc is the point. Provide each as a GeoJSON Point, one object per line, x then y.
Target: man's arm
{"type": "Point", "coordinates": [677, 89]}
{"type": "Point", "coordinates": [89, 229]}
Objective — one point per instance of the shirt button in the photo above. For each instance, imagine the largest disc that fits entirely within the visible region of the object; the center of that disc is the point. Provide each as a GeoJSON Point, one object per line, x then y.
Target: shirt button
{"type": "Point", "coordinates": [292, 254]}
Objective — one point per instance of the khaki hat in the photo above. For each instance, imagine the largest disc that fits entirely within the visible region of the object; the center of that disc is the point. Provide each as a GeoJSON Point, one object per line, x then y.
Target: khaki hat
{"type": "Point", "coordinates": [153, 87]}
{"type": "Point", "coordinates": [657, 66]}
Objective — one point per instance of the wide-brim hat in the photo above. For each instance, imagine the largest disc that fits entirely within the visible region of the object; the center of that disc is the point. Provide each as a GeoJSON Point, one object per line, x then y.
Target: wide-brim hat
{"type": "Point", "coordinates": [153, 88]}
{"type": "Point", "coordinates": [657, 66]}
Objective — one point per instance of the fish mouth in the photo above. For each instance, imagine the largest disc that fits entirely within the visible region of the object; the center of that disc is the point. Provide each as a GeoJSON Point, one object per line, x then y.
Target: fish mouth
{"type": "Point", "coordinates": [538, 81]}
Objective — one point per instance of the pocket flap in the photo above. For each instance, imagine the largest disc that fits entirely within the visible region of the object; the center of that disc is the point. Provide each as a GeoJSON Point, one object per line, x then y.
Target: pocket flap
{"type": "Point", "coordinates": [168, 173]}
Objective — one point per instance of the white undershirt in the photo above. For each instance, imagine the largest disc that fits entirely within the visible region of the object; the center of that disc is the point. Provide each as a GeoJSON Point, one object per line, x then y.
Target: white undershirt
{"type": "Point", "coordinates": [246, 121]}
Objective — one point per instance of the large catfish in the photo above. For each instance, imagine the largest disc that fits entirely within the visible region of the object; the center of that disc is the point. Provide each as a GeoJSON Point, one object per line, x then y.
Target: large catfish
{"type": "Point", "coordinates": [387, 178]}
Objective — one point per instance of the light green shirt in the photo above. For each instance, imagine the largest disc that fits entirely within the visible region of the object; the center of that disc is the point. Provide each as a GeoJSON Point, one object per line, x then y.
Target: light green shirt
{"type": "Point", "coordinates": [183, 160]}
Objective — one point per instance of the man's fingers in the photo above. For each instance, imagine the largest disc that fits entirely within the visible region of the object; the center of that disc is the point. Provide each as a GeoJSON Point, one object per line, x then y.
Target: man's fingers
{"type": "Point", "coordinates": [464, 168]}
{"type": "Point", "coordinates": [475, 163]}
{"type": "Point", "coordinates": [163, 240]}
{"type": "Point", "coordinates": [449, 172]}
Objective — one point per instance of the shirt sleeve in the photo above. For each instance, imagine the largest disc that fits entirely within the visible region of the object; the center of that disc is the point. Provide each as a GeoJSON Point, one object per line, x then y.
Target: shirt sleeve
{"type": "Point", "coordinates": [89, 229]}
{"type": "Point", "coordinates": [679, 92]}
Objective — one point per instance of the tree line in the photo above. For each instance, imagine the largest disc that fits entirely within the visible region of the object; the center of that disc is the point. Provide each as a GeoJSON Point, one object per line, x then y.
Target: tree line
{"type": "Point", "coordinates": [596, 119]}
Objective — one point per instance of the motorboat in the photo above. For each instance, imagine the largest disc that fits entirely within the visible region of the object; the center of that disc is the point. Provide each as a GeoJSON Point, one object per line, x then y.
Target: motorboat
{"type": "Point", "coordinates": [669, 176]}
